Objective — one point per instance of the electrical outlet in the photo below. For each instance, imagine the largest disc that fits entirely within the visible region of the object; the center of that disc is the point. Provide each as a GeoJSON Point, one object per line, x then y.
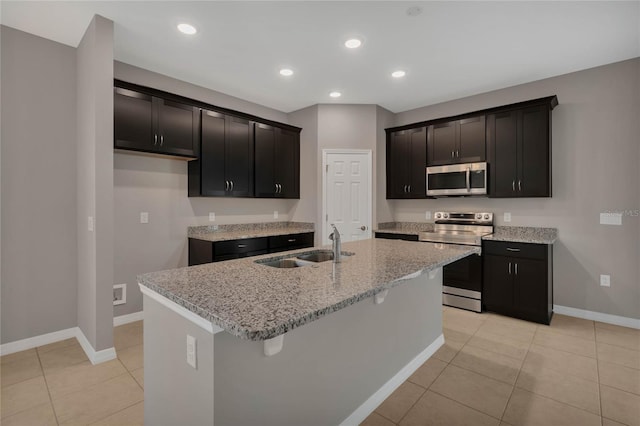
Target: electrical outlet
{"type": "Point", "coordinates": [212, 217]}
{"type": "Point", "coordinates": [119, 294]}
{"type": "Point", "coordinates": [605, 280]}
{"type": "Point", "coordinates": [507, 217]}
{"type": "Point", "coordinates": [610, 218]}
{"type": "Point", "coordinates": [191, 351]}
{"type": "Point", "coordinates": [90, 225]}
{"type": "Point", "coordinates": [427, 215]}
{"type": "Point", "coordinates": [144, 217]}
{"type": "Point", "coordinates": [275, 214]}
{"type": "Point", "coordinates": [215, 227]}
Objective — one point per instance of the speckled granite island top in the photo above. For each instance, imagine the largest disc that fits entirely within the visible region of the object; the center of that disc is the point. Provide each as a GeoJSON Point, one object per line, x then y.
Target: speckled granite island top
{"type": "Point", "coordinates": [259, 302]}
{"type": "Point", "coordinates": [523, 234]}
{"type": "Point", "coordinates": [248, 230]}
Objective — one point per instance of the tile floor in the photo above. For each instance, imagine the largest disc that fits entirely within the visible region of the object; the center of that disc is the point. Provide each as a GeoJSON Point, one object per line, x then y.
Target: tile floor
{"type": "Point", "coordinates": [492, 370]}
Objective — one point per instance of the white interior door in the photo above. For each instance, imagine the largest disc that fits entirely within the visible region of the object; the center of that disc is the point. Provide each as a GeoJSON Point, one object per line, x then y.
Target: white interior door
{"type": "Point", "coordinates": [347, 200]}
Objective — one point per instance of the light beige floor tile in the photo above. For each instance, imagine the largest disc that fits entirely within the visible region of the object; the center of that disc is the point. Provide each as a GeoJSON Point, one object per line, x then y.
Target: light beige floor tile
{"type": "Point", "coordinates": [131, 416]}
{"type": "Point", "coordinates": [400, 401]}
{"type": "Point", "coordinates": [463, 321]}
{"type": "Point", "coordinates": [528, 409]}
{"type": "Point", "coordinates": [127, 335]}
{"type": "Point", "coordinates": [512, 322]}
{"type": "Point", "coordinates": [619, 337]}
{"type": "Point", "coordinates": [18, 356]}
{"type": "Point", "coordinates": [571, 326]}
{"type": "Point", "coordinates": [604, 325]}
{"type": "Point", "coordinates": [619, 377]}
{"type": "Point", "coordinates": [132, 358]}
{"type": "Point", "coordinates": [428, 372]}
{"type": "Point", "coordinates": [42, 415]}
{"type": "Point", "coordinates": [473, 390]}
{"type": "Point", "coordinates": [54, 359]}
{"type": "Point", "coordinates": [376, 419]}
{"type": "Point", "coordinates": [562, 387]}
{"type": "Point", "coordinates": [458, 336]}
{"type": "Point", "coordinates": [436, 410]}
{"type": "Point", "coordinates": [98, 401]}
{"type": "Point", "coordinates": [20, 369]}
{"type": "Point", "coordinates": [22, 396]}
{"type": "Point", "coordinates": [609, 422]}
{"type": "Point", "coordinates": [81, 376]}
{"type": "Point", "coordinates": [618, 355]}
{"type": "Point", "coordinates": [506, 329]}
{"type": "Point", "coordinates": [621, 406]}
{"type": "Point", "coordinates": [492, 364]}
{"type": "Point", "coordinates": [138, 374]}
{"type": "Point", "coordinates": [576, 345]}
{"type": "Point", "coordinates": [499, 344]}
{"type": "Point", "coordinates": [448, 350]}
{"type": "Point", "coordinates": [58, 345]}
{"type": "Point", "coordinates": [576, 365]}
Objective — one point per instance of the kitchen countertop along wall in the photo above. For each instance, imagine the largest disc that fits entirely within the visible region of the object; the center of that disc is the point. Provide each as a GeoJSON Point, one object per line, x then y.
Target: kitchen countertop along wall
{"type": "Point", "coordinates": [248, 230]}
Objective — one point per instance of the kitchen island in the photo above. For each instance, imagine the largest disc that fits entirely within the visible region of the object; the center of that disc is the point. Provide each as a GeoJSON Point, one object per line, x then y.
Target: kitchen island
{"type": "Point", "coordinates": [319, 344]}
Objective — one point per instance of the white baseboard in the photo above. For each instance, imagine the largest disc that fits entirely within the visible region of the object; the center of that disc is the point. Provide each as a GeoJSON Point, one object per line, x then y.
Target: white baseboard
{"type": "Point", "coordinates": [32, 342]}
{"type": "Point", "coordinates": [363, 411]}
{"type": "Point", "coordinates": [126, 319]}
{"type": "Point", "coordinates": [96, 357]}
{"type": "Point", "coordinates": [597, 316]}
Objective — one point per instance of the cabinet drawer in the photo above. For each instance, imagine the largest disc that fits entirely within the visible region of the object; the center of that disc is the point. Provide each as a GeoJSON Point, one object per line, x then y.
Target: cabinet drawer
{"type": "Point", "coordinates": [240, 246]}
{"type": "Point", "coordinates": [524, 250]}
{"type": "Point", "coordinates": [291, 240]}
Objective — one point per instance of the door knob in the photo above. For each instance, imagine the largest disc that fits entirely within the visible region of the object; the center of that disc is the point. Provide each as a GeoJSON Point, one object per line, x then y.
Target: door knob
{"type": "Point", "coordinates": [363, 228]}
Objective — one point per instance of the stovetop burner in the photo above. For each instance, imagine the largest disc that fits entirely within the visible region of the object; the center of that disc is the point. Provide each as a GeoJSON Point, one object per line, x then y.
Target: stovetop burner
{"type": "Point", "coordinates": [459, 228]}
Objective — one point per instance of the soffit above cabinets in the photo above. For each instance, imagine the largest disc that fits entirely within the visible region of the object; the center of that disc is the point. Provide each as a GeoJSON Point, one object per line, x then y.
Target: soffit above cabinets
{"type": "Point", "coordinates": [449, 50]}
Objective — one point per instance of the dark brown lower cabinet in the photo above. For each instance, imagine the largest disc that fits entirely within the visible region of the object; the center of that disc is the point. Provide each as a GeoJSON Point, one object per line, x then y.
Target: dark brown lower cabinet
{"type": "Point", "coordinates": [201, 251]}
{"type": "Point", "coordinates": [518, 280]}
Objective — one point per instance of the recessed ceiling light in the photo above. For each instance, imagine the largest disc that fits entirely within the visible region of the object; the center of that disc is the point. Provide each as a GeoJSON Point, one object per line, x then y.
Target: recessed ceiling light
{"type": "Point", "coordinates": [187, 29]}
{"type": "Point", "coordinates": [398, 74]}
{"type": "Point", "coordinates": [286, 72]}
{"type": "Point", "coordinates": [353, 43]}
{"type": "Point", "coordinates": [335, 94]}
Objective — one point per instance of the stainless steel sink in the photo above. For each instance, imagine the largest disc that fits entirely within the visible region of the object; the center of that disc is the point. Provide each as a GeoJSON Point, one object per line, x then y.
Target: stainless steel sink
{"type": "Point", "coordinates": [320, 256]}
{"type": "Point", "coordinates": [284, 263]}
{"type": "Point", "coordinates": [303, 259]}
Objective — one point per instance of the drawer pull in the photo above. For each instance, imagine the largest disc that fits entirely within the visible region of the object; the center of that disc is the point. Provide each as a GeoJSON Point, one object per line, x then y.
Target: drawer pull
{"type": "Point", "coordinates": [513, 249]}
{"type": "Point", "coordinates": [291, 240]}
{"type": "Point", "coordinates": [242, 245]}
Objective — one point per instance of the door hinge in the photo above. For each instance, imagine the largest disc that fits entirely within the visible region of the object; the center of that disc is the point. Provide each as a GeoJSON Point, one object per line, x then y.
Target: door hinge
{"type": "Point", "coordinates": [327, 168]}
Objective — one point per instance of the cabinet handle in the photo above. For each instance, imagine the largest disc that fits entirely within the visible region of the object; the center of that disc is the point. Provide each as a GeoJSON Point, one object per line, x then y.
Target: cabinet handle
{"type": "Point", "coordinates": [155, 139]}
{"type": "Point", "coordinates": [458, 153]}
{"type": "Point", "coordinates": [519, 185]}
{"type": "Point", "coordinates": [409, 188]}
{"type": "Point", "coordinates": [276, 185]}
{"type": "Point", "coordinates": [279, 188]}
{"type": "Point", "coordinates": [161, 140]}
{"type": "Point", "coordinates": [231, 185]}
{"type": "Point", "coordinates": [226, 185]}
{"type": "Point", "coordinates": [513, 185]}
{"type": "Point", "coordinates": [516, 268]}
{"type": "Point", "coordinates": [242, 245]}
{"type": "Point", "coordinates": [452, 154]}
{"type": "Point", "coordinates": [513, 249]}
{"type": "Point", "coordinates": [291, 240]}
{"type": "Point", "coordinates": [509, 268]}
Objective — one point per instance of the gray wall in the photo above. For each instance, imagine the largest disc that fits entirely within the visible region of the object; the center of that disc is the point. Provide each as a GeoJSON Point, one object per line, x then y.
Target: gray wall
{"type": "Point", "coordinates": [95, 182]}
{"type": "Point", "coordinates": [595, 169]}
{"type": "Point", "coordinates": [38, 174]}
{"type": "Point", "coordinates": [159, 186]}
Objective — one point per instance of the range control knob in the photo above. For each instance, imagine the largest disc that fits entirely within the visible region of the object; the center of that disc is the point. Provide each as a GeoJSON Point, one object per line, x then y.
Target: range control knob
{"type": "Point", "coordinates": [438, 215]}
{"type": "Point", "coordinates": [478, 215]}
{"type": "Point", "coordinates": [446, 215]}
{"type": "Point", "coordinates": [486, 216]}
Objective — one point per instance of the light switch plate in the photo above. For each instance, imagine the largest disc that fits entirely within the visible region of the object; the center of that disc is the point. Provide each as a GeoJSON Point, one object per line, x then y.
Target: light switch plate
{"type": "Point", "coordinates": [427, 215]}
{"type": "Point", "coordinates": [275, 214]}
{"type": "Point", "coordinates": [191, 351]}
{"type": "Point", "coordinates": [144, 217]}
{"type": "Point", "coordinates": [507, 217]}
{"type": "Point", "coordinates": [212, 217]}
{"type": "Point", "coordinates": [90, 225]}
{"type": "Point", "coordinates": [605, 280]}
{"type": "Point", "coordinates": [610, 218]}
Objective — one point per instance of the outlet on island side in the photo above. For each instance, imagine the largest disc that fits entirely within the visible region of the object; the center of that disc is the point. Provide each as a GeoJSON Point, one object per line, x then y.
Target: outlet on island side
{"type": "Point", "coordinates": [507, 217]}
{"type": "Point", "coordinates": [144, 217]}
{"type": "Point", "coordinates": [191, 351]}
{"type": "Point", "coordinates": [605, 280]}
{"type": "Point", "coordinates": [212, 217]}
{"type": "Point", "coordinates": [275, 214]}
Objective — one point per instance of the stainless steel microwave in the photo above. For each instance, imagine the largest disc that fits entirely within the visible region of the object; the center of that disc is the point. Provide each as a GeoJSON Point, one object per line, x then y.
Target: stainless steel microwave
{"type": "Point", "coordinates": [457, 179]}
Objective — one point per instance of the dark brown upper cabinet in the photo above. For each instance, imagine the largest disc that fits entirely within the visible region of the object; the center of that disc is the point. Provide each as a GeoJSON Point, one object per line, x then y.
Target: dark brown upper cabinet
{"type": "Point", "coordinates": [147, 123]}
{"type": "Point", "coordinates": [277, 162]}
{"type": "Point", "coordinates": [519, 150]}
{"type": "Point", "coordinates": [457, 141]}
{"type": "Point", "coordinates": [225, 167]}
{"type": "Point", "coordinates": [406, 163]}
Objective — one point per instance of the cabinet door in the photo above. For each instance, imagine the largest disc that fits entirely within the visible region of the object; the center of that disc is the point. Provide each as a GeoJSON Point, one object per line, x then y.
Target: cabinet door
{"type": "Point", "coordinates": [503, 138]}
{"type": "Point", "coordinates": [530, 289]}
{"type": "Point", "coordinates": [497, 293]}
{"type": "Point", "coordinates": [265, 145]}
{"type": "Point", "coordinates": [238, 159]}
{"type": "Point", "coordinates": [398, 159]}
{"type": "Point", "coordinates": [287, 159]}
{"type": "Point", "coordinates": [442, 144]}
{"type": "Point", "coordinates": [533, 156]}
{"type": "Point", "coordinates": [471, 140]}
{"type": "Point", "coordinates": [134, 120]}
{"type": "Point", "coordinates": [177, 126]}
{"type": "Point", "coordinates": [212, 156]}
{"type": "Point", "coordinates": [417, 162]}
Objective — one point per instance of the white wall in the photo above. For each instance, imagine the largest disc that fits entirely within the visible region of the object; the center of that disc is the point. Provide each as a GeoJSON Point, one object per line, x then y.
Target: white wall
{"type": "Point", "coordinates": [595, 169]}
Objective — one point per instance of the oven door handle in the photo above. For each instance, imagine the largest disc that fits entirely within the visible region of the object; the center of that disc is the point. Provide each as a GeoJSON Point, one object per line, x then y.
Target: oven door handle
{"type": "Point", "coordinates": [468, 179]}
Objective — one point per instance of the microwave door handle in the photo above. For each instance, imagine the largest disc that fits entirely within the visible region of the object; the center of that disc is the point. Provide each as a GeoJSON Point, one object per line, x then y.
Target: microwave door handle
{"type": "Point", "coordinates": [468, 179]}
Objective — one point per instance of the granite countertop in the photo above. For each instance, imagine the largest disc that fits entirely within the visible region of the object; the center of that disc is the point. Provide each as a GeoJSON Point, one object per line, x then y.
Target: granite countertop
{"type": "Point", "coordinates": [259, 302]}
{"type": "Point", "coordinates": [523, 234]}
{"type": "Point", "coordinates": [248, 230]}
{"type": "Point", "coordinates": [408, 228]}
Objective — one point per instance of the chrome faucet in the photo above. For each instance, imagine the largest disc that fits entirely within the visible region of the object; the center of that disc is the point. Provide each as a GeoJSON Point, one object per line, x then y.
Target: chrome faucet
{"type": "Point", "coordinates": [336, 245]}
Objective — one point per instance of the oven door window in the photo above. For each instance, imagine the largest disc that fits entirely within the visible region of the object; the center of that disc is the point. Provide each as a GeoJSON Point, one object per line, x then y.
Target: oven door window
{"type": "Point", "coordinates": [465, 273]}
{"type": "Point", "coordinates": [449, 180]}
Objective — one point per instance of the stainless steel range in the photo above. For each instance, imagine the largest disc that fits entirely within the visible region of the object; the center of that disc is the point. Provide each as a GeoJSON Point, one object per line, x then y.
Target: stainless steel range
{"type": "Point", "coordinates": [462, 280]}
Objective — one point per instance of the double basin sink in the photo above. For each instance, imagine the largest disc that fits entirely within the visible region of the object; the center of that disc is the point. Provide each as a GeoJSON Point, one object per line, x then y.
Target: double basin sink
{"type": "Point", "coordinates": [303, 259]}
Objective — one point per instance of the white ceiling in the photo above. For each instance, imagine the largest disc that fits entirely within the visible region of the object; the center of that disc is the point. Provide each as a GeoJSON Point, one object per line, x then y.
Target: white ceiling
{"type": "Point", "coordinates": [451, 50]}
